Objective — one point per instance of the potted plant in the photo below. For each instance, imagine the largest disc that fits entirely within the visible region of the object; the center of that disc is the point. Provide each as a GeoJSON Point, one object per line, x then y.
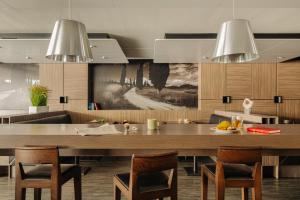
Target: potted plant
{"type": "Point", "coordinates": [38, 97]}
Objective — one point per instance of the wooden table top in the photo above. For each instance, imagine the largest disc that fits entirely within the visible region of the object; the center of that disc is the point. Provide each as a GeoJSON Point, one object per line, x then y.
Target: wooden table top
{"type": "Point", "coordinates": [179, 137]}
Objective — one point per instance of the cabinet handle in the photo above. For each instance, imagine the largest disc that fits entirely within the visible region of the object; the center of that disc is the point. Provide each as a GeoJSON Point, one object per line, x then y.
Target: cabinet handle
{"type": "Point", "coordinates": [63, 99]}
{"type": "Point", "coordinates": [226, 99]}
{"type": "Point", "coordinates": [278, 99]}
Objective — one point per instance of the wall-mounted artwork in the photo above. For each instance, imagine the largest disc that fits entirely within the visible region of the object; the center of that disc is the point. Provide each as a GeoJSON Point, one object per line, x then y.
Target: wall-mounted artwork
{"type": "Point", "coordinates": [144, 85]}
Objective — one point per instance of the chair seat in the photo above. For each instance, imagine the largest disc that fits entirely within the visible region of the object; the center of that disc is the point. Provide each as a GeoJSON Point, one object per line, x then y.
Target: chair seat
{"type": "Point", "coordinates": [44, 171]}
{"type": "Point", "coordinates": [235, 171]}
{"type": "Point", "coordinates": [147, 182]}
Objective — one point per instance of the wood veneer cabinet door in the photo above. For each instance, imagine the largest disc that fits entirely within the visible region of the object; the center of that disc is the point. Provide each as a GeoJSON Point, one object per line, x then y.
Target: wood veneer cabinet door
{"type": "Point", "coordinates": [212, 81]}
{"type": "Point", "coordinates": [76, 81]}
{"type": "Point", "coordinates": [264, 80]}
{"type": "Point", "coordinates": [208, 107]}
{"type": "Point", "coordinates": [238, 81]}
{"type": "Point", "coordinates": [265, 107]}
{"type": "Point", "coordinates": [51, 76]}
{"type": "Point", "coordinates": [55, 105]}
{"type": "Point", "coordinates": [290, 109]}
{"type": "Point", "coordinates": [288, 76]}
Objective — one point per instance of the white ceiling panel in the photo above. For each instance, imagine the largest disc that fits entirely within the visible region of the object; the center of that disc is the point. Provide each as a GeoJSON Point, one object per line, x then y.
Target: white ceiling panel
{"type": "Point", "coordinates": [200, 50]}
{"type": "Point", "coordinates": [18, 51]}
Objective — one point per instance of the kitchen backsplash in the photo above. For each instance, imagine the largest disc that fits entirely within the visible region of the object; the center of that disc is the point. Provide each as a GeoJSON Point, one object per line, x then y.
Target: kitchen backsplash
{"type": "Point", "coordinates": [14, 82]}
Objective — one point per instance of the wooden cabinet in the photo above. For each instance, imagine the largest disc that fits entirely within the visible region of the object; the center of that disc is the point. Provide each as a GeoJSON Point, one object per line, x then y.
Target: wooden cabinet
{"type": "Point", "coordinates": [264, 80]}
{"type": "Point", "coordinates": [238, 81]}
{"type": "Point", "coordinates": [52, 76]}
{"type": "Point", "coordinates": [211, 81]}
{"type": "Point", "coordinates": [208, 107]}
{"type": "Point", "coordinates": [55, 105]}
{"type": "Point", "coordinates": [69, 80]}
{"type": "Point", "coordinates": [288, 76]}
{"type": "Point", "coordinates": [265, 107]}
{"type": "Point", "coordinates": [76, 81]}
{"type": "Point", "coordinates": [290, 109]}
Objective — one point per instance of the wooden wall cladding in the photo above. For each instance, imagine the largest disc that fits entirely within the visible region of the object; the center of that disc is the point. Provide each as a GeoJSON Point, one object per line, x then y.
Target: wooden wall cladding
{"type": "Point", "coordinates": [207, 107]}
{"type": "Point", "coordinates": [52, 76]}
{"type": "Point", "coordinates": [135, 116]}
{"type": "Point", "coordinates": [76, 81]}
{"type": "Point", "coordinates": [211, 76]}
{"type": "Point", "coordinates": [258, 81]}
{"type": "Point", "coordinates": [80, 114]}
{"type": "Point", "coordinates": [264, 80]}
{"type": "Point", "coordinates": [290, 109]}
{"type": "Point", "coordinates": [238, 81]}
{"type": "Point", "coordinates": [55, 105]}
{"type": "Point", "coordinates": [288, 75]}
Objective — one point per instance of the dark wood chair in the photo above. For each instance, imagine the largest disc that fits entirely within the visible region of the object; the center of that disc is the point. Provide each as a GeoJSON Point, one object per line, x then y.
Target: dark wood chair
{"type": "Point", "coordinates": [235, 167]}
{"type": "Point", "coordinates": [148, 178]}
{"type": "Point", "coordinates": [47, 173]}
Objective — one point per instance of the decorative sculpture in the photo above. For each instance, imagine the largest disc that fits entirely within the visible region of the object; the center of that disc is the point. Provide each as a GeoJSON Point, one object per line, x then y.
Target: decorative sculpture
{"type": "Point", "coordinates": [247, 104]}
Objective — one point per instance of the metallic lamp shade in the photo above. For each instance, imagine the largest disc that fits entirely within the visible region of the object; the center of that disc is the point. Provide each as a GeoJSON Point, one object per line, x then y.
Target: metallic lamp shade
{"type": "Point", "coordinates": [69, 42]}
{"type": "Point", "coordinates": [235, 43]}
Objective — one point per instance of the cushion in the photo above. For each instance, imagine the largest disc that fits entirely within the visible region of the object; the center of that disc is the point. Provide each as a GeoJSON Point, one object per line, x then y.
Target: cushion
{"type": "Point", "coordinates": [234, 171]}
{"type": "Point", "coordinates": [146, 182]}
{"type": "Point", "coordinates": [58, 119]}
{"type": "Point", "coordinates": [43, 171]}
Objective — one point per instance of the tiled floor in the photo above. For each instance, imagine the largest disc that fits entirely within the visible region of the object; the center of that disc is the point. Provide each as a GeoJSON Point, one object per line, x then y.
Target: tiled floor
{"type": "Point", "coordinates": [98, 185]}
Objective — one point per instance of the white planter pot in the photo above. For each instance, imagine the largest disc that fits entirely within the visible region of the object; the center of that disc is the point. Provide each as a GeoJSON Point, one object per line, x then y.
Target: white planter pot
{"type": "Point", "coordinates": [38, 109]}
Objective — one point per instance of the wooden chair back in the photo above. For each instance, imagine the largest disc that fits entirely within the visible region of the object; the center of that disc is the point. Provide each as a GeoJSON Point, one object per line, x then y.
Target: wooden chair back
{"type": "Point", "coordinates": [239, 155]}
{"type": "Point", "coordinates": [37, 155]}
{"type": "Point", "coordinates": [142, 164]}
{"type": "Point", "coordinates": [153, 163]}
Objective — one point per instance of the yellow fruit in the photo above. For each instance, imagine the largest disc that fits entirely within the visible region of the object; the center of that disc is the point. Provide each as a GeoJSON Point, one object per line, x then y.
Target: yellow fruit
{"type": "Point", "coordinates": [223, 125]}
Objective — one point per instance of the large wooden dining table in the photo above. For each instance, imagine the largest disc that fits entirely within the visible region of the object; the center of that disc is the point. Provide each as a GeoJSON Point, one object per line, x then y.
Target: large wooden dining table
{"type": "Point", "coordinates": [187, 139]}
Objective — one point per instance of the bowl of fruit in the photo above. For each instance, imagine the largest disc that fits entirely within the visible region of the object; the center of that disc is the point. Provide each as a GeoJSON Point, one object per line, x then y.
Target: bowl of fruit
{"type": "Point", "coordinates": [225, 127]}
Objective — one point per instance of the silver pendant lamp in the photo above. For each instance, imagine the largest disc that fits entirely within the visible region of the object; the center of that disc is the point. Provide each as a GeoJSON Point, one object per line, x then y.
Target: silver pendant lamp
{"type": "Point", "coordinates": [235, 42]}
{"type": "Point", "coordinates": [69, 41]}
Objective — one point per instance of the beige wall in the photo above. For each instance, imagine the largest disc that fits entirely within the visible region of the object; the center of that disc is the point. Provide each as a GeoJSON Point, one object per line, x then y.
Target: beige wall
{"type": "Point", "coordinates": [260, 82]}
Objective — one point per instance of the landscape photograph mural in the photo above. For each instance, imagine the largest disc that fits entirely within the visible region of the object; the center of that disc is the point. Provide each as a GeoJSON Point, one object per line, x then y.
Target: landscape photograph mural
{"type": "Point", "coordinates": [145, 85]}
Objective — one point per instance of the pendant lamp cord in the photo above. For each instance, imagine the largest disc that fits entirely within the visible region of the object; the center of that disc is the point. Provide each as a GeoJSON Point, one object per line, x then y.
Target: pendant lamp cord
{"type": "Point", "coordinates": [233, 9]}
{"type": "Point", "coordinates": [70, 9]}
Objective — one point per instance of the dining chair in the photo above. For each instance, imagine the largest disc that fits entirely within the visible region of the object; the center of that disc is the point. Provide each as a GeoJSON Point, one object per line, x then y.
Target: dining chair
{"type": "Point", "coordinates": [151, 177]}
{"type": "Point", "coordinates": [46, 172]}
{"type": "Point", "coordinates": [235, 167]}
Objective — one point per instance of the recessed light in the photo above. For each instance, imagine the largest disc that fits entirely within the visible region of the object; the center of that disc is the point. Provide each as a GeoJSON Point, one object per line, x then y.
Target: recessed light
{"type": "Point", "coordinates": [93, 46]}
{"type": "Point", "coordinates": [28, 57]}
{"type": "Point", "coordinates": [280, 57]}
{"type": "Point", "coordinates": [104, 57]}
{"type": "Point", "coordinates": [7, 80]}
{"type": "Point", "coordinates": [205, 57]}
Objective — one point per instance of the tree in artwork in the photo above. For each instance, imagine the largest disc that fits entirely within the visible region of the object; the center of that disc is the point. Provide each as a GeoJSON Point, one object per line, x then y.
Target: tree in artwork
{"type": "Point", "coordinates": [139, 77]}
{"type": "Point", "coordinates": [158, 74]}
{"type": "Point", "coordinates": [123, 75]}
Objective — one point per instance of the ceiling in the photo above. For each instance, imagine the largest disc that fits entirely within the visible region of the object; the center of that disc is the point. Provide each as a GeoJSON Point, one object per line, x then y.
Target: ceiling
{"type": "Point", "coordinates": [136, 24]}
{"type": "Point", "coordinates": [34, 50]}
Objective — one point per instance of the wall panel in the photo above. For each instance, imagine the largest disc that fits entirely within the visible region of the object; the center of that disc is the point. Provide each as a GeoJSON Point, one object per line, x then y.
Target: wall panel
{"type": "Point", "coordinates": [52, 76]}
{"type": "Point", "coordinates": [239, 81]}
{"type": "Point", "coordinates": [76, 81]}
{"type": "Point", "coordinates": [288, 84]}
{"type": "Point", "coordinates": [212, 81]}
{"type": "Point", "coordinates": [264, 80]}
